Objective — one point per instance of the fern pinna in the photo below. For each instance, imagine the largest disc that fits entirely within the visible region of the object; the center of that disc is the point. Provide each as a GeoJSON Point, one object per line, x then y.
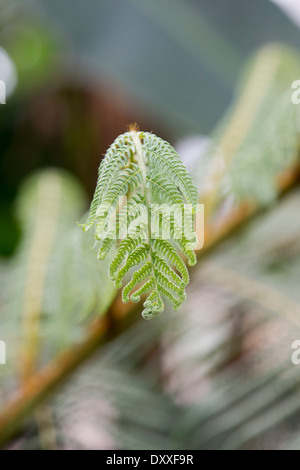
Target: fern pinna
{"type": "Point", "coordinates": [147, 173]}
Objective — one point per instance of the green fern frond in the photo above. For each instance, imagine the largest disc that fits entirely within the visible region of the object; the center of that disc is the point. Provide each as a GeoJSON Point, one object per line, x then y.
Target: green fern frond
{"type": "Point", "coordinates": [164, 190]}
{"type": "Point", "coordinates": [137, 277]}
{"type": "Point", "coordinates": [126, 246]}
{"type": "Point", "coordinates": [168, 250]}
{"type": "Point", "coordinates": [161, 155]}
{"type": "Point", "coordinates": [148, 172]}
{"type": "Point", "coordinates": [116, 157]}
{"type": "Point", "coordinates": [135, 258]}
{"type": "Point", "coordinates": [128, 214]}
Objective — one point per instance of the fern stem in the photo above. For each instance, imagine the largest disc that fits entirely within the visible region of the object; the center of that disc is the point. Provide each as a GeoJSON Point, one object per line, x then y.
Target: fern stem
{"type": "Point", "coordinates": [141, 162]}
{"type": "Point", "coordinates": [142, 166]}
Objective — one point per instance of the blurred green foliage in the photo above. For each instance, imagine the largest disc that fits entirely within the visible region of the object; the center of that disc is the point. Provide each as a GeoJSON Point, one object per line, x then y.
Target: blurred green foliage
{"type": "Point", "coordinates": [217, 374]}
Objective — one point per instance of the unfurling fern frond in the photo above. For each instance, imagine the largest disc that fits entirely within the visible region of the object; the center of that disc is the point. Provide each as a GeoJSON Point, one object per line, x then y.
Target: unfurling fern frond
{"type": "Point", "coordinates": [152, 225]}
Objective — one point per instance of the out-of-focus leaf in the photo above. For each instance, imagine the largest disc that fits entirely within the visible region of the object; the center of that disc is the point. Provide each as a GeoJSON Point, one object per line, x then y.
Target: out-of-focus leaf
{"type": "Point", "coordinates": [54, 281]}
{"type": "Point", "coordinates": [190, 50]}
